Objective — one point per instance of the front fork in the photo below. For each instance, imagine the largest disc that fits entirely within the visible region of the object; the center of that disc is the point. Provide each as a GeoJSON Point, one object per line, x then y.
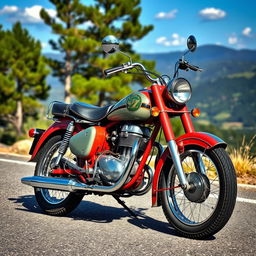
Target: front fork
{"type": "Point", "coordinates": [169, 135]}
{"type": "Point", "coordinates": [177, 163]}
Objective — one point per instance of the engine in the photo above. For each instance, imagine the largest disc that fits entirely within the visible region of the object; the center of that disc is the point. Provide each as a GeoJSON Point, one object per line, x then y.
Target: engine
{"type": "Point", "coordinates": [112, 159]}
{"type": "Point", "coordinates": [112, 167]}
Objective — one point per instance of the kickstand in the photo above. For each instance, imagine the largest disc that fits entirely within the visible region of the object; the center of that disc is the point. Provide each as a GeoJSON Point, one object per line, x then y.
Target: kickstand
{"type": "Point", "coordinates": [133, 214]}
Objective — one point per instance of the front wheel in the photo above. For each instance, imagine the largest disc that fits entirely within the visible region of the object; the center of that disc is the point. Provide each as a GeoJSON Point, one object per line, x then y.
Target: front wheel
{"type": "Point", "coordinates": [206, 207]}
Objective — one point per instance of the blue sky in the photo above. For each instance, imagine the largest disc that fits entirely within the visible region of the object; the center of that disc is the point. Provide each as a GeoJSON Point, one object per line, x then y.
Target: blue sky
{"type": "Point", "coordinates": [227, 23]}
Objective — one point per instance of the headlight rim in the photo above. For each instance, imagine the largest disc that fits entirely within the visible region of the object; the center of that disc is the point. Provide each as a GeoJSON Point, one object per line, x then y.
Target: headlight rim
{"type": "Point", "coordinates": [170, 90]}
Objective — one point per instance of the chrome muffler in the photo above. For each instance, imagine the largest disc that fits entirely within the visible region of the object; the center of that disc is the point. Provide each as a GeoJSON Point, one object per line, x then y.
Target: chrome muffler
{"type": "Point", "coordinates": [73, 185]}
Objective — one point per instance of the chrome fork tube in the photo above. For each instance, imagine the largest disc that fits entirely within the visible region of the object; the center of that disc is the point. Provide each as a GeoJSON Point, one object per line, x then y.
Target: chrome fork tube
{"type": "Point", "coordinates": [177, 164]}
{"type": "Point", "coordinates": [201, 164]}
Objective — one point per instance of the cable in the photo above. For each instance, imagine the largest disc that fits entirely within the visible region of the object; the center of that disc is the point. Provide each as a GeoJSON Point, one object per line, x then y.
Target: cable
{"type": "Point", "coordinates": [146, 71]}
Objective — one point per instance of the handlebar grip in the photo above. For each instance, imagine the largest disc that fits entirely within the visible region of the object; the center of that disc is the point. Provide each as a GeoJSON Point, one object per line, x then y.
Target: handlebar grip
{"type": "Point", "coordinates": [194, 68]}
{"type": "Point", "coordinates": [112, 70]}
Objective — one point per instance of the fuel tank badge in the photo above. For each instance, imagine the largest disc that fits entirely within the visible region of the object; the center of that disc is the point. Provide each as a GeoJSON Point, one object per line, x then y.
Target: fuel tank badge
{"type": "Point", "coordinates": [133, 102]}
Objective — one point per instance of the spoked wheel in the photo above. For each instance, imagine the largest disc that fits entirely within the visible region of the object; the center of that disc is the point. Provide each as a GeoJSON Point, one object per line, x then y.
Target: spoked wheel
{"type": "Point", "coordinates": [54, 202]}
{"type": "Point", "coordinates": [206, 207]}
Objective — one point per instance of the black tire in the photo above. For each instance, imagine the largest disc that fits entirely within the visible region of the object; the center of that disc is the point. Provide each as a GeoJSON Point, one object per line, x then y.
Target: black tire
{"type": "Point", "coordinates": [45, 201]}
{"type": "Point", "coordinates": [209, 210]}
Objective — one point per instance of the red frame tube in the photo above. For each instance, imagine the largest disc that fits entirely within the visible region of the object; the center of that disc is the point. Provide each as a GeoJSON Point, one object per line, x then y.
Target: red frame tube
{"type": "Point", "coordinates": [187, 122]}
{"type": "Point", "coordinates": [164, 117]}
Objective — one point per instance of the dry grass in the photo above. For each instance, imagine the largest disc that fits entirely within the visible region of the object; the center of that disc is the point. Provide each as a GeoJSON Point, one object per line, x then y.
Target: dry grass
{"type": "Point", "coordinates": [244, 161]}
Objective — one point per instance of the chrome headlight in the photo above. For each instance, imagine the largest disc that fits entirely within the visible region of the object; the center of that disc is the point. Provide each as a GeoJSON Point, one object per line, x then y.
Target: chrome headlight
{"type": "Point", "coordinates": [179, 90]}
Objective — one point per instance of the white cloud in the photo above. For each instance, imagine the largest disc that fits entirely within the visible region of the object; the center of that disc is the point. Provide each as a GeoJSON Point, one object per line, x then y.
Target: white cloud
{"type": "Point", "coordinates": [247, 31]}
{"type": "Point", "coordinates": [212, 13]}
{"type": "Point", "coordinates": [176, 40]}
{"type": "Point", "coordinates": [32, 14]}
{"type": "Point", "coordinates": [161, 40]}
{"type": "Point", "coordinates": [167, 15]}
{"type": "Point", "coordinates": [232, 40]}
{"type": "Point", "coordinates": [8, 9]}
{"type": "Point", "coordinates": [44, 45]}
{"type": "Point", "coordinates": [27, 15]}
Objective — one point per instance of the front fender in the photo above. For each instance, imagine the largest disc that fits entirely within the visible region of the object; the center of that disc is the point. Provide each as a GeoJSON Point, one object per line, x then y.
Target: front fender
{"type": "Point", "coordinates": [57, 127]}
{"type": "Point", "coordinates": [201, 139]}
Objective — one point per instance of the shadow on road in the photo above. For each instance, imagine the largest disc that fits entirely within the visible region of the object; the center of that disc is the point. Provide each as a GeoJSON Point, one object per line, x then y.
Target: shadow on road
{"type": "Point", "coordinates": [94, 212]}
{"type": "Point", "coordinates": [90, 211]}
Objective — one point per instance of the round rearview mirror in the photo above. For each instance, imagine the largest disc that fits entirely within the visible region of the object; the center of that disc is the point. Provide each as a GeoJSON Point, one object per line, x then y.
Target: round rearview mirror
{"type": "Point", "coordinates": [191, 43]}
{"type": "Point", "coordinates": [110, 44]}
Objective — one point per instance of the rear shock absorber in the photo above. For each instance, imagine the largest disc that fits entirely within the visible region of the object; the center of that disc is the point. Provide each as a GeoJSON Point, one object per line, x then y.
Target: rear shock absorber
{"type": "Point", "coordinates": [65, 142]}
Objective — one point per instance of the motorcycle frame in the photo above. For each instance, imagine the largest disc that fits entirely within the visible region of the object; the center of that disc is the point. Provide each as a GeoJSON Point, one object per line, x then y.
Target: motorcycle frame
{"type": "Point", "coordinates": [175, 145]}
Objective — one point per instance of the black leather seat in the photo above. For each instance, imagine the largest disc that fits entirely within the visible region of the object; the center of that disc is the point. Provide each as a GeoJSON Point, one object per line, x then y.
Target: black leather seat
{"type": "Point", "coordinates": [89, 112]}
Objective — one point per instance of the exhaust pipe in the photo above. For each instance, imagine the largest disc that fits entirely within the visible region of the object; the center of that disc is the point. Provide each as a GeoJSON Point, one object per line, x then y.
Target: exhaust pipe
{"type": "Point", "coordinates": [72, 185]}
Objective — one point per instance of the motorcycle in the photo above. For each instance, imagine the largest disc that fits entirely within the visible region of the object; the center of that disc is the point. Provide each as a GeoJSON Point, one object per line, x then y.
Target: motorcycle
{"type": "Point", "coordinates": [107, 150]}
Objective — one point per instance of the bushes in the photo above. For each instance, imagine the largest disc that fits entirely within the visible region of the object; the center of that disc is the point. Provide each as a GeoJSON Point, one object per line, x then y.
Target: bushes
{"type": "Point", "coordinates": [244, 160]}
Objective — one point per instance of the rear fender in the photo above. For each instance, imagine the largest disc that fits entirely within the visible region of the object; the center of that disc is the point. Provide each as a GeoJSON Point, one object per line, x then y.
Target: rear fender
{"type": "Point", "coordinates": [201, 139]}
{"type": "Point", "coordinates": [55, 128]}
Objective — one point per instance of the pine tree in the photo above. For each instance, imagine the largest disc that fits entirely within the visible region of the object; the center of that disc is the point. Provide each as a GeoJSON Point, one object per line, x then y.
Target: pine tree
{"type": "Point", "coordinates": [72, 42]}
{"type": "Point", "coordinates": [81, 46]}
{"type": "Point", "coordinates": [22, 76]}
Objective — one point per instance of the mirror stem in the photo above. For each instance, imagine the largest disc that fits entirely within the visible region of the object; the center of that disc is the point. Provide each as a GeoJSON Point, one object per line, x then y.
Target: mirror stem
{"type": "Point", "coordinates": [127, 56]}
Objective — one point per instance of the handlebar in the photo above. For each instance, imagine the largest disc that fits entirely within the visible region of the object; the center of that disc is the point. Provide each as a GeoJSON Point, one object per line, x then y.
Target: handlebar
{"type": "Point", "coordinates": [128, 66]}
{"type": "Point", "coordinates": [181, 64]}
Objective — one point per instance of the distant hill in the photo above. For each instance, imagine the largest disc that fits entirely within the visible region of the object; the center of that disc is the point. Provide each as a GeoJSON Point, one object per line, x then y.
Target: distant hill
{"type": "Point", "coordinates": [216, 61]}
{"type": "Point", "coordinates": [227, 100]}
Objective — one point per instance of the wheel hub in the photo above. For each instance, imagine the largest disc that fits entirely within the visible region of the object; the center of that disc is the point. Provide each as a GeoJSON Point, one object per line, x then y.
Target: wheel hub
{"type": "Point", "coordinates": [199, 187]}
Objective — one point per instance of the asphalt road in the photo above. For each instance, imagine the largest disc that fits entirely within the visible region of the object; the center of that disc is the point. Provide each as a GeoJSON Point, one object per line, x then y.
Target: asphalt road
{"type": "Point", "coordinates": [100, 226]}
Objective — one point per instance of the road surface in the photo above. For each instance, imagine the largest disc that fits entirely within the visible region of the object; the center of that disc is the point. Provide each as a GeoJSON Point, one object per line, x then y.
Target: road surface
{"type": "Point", "coordinates": [100, 226]}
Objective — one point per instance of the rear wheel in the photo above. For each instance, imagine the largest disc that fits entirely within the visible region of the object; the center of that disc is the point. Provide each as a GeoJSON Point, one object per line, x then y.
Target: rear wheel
{"type": "Point", "coordinates": [54, 202]}
{"type": "Point", "coordinates": [207, 206]}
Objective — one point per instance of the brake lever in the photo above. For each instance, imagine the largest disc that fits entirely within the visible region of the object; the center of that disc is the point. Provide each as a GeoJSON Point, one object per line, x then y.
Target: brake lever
{"type": "Point", "coordinates": [194, 68]}
{"type": "Point", "coordinates": [184, 65]}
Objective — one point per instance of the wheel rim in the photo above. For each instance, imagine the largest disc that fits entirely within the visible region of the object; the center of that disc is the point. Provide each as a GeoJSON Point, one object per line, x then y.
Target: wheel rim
{"type": "Point", "coordinates": [185, 210]}
{"type": "Point", "coordinates": [52, 196]}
